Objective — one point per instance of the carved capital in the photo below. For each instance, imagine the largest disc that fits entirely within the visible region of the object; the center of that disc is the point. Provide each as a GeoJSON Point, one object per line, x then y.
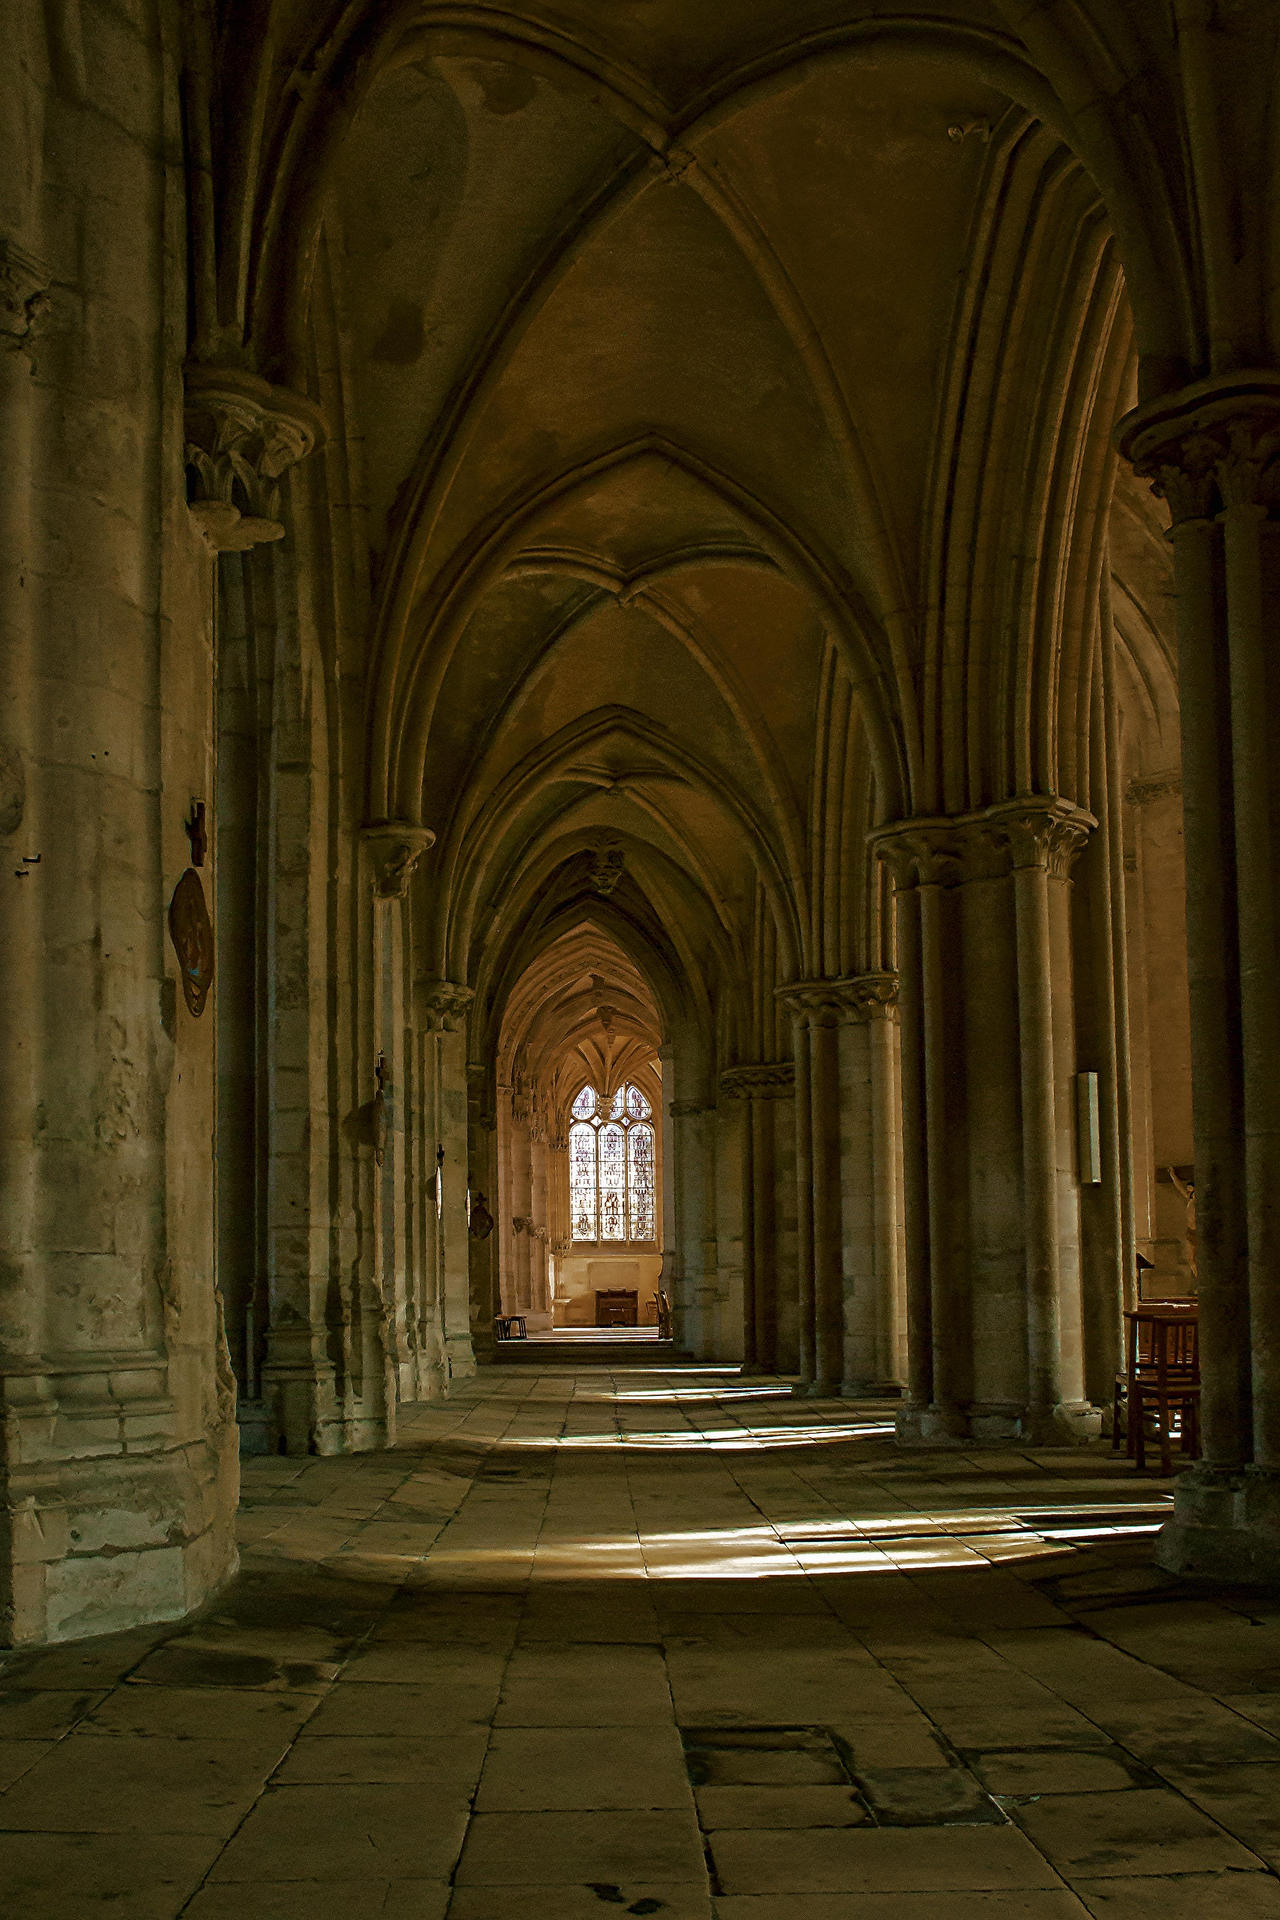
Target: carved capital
{"type": "Point", "coordinates": [829, 1003]}
{"type": "Point", "coordinates": [442, 1005]}
{"type": "Point", "coordinates": [395, 848]}
{"type": "Point", "coordinates": [242, 436]}
{"type": "Point", "coordinates": [24, 298]}
{"type": "Point", "coordinates": [1210, 447]}
{"type": "Point", "coordinates": [1032, 831]}
{"type": "Point", "coordinates": [763, 1080]}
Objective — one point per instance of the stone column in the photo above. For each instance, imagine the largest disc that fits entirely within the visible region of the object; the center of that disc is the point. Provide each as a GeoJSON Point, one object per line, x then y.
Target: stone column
{"type": "Point", "coordinates": [558, 1222]}
{"type": "Point", "coordinates": [759, 1086]}
{"type": "Point", "coordinates": [819, 1010]}
{"type": "Point", "coordinates": [693, 1288]}
{"type": "Point", "coordinates": [482, 1124]}
{"type": "Point", "coordinates": [23, 298]}
{"type": "Point", "coordinates": [988, 1064]}
{"type": "Point", "coordinates": [1211, 451]}
{"type": "Point", "coordinates": [539, 1210]}
{"type": "Point", "coordinates": [870, 1160]}
{"type": "Point", "coordinates": [442, 1008]}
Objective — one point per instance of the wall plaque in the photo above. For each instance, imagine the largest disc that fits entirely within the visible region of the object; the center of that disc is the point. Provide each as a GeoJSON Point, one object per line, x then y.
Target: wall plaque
{"type": "Point", "coordinates": [191, 931]}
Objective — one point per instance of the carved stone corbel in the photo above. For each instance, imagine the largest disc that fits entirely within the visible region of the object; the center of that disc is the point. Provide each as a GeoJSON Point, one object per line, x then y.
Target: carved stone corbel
{"type": "Point", "coordinates": [24, 298]}
{"type": "Point", "coordinates": [242, 436]}
{"type": "Point", "coordinates": [443, 1004]}
{"type": "Point", "coordinates": [395, 848]}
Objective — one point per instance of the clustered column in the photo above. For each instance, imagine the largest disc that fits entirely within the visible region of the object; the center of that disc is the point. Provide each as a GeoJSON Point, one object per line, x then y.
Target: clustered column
{"type": "Point", "coordinates": [1213, 451]}
{"type": "Point", "coordinates": [760, 1087]}
{"type": "Point", "coordinates": [988, 1063]}
{"type": "Point", "coordinates": [845, 1182]}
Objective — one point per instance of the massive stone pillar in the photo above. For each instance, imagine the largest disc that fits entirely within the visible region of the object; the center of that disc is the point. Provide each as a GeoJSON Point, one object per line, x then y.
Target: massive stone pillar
{"type": "Point", "coordinates": [1211, 451]}
{"type": "Point", "coordinates": [118, 1472]}
{"type": "Point", "coordinates": [993, 1279]}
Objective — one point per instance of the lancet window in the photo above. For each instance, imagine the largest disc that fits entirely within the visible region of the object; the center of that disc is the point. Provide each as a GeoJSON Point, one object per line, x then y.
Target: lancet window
{"type": "Point", "coordinates": [612, 1193]}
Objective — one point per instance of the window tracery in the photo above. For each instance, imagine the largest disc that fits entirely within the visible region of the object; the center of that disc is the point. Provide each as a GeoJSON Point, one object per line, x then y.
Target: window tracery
{"type": "Point", "coordinates": [612, 1162]}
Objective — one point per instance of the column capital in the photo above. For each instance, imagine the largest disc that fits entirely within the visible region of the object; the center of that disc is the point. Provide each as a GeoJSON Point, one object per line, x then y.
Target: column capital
{"type": "Point", "coordinates": [830, 1003]}
{"type": "Point", "coordinates": [759, 1080]}
{"type": "Point", "coordinates": [1034, 830]}
{"type": "Point", "coordinates": [242, 436]}
{"type": "Point", "coordinates": [395, 848]}
{"type": "Point", "coordinates": [442, 1005]}
{"type": "Point", "coordinates": [24, 298]}
{"type": "Point", "coordinates": [1210, 446]}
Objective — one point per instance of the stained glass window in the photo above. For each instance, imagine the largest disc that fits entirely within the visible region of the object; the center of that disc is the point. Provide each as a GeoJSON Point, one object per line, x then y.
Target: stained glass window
{"type": "Point", "coordinates": [611, 1167]}
{"type": "Point", "coordinates": [584, 1210]}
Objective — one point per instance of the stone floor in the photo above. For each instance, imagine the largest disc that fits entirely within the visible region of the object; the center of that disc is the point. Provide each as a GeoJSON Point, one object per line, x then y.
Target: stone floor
{"type": "Point", "coordinates": [663, 1643]}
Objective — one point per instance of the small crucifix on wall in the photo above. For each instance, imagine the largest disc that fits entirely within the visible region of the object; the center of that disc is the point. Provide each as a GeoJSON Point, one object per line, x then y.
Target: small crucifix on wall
{"type": "Point", "coordinates": [196, 833]}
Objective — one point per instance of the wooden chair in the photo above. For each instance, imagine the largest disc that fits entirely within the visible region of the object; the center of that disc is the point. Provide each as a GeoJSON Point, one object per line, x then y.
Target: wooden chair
{"type": "Point", "coordinates": [1161, 1378]}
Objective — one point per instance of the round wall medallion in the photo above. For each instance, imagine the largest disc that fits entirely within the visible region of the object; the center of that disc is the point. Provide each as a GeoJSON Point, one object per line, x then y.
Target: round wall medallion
{"type": "Point", "coordinates": [191, 931]}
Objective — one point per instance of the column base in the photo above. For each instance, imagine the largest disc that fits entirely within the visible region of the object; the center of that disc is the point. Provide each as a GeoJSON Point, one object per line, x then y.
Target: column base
{"type": "Point", "coordinates": [1225, 1526]}
{"type": "Point", "coordinates": [257, 1429]}
{"type": "Point", "coordinates": [107, 1522]}
{"type": "Point", "coordinates": [1069, 1424]}
{"type": "Point", "coordinates": [459, 1356]}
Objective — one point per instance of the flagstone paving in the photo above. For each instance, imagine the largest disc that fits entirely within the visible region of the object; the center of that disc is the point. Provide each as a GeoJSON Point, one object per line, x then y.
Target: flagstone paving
{"type": "Point", "coordinates": [675, 1643]}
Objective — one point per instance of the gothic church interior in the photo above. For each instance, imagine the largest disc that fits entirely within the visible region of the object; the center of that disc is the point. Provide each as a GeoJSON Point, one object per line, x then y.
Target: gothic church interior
{"type": "Point", "coordinates": [636, 748]}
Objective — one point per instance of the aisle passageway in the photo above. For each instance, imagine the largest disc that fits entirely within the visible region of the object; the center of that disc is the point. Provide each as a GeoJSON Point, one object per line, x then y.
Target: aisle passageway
{"type": "Point", "coordinates": [665, 1640]}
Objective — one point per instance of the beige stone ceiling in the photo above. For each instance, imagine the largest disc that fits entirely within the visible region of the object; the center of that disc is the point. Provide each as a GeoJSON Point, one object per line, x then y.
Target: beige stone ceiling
{"type": "Point", "coordinates": [658, 356]}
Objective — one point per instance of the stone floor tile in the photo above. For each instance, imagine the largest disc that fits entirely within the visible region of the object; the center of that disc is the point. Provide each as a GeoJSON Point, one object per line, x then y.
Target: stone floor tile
{"type": "Point", "coordinates": [377, 1707]}
{"type": "Point", "coordinates": [886, 1742]}
{"type": "Point", "coordinates": [572, 1849]}
{"type": "Point", "coordinates": [543, 1769]}
{"type": "Point", "coordinates": [451, 1762]}
{"type": "Point", "coordinates": [1196, 1730]}
{"type": "Point", "coordinates": [205, 1713]}
{"type": "Point", "coordinates": [90, 1784]}
{"type": "Point", "coordinates": [18, 1757]}
{"type": "Point", "coordinates": [180, 1666]}
{"type": "Point", "coordinates": [293, 1900]}
{"type": "Point", "coordinates": [1039, 1905]}
{"type": "Point", "coordinates": [1056, 1771]}
{"type": "Point", "coordinates": [1243, 1799]}
{"type": "Point", "coordinates": [585, 1686]}
{"type": "Point", "coordinates": [927, 1796]}
{"type": "Point", "coordinates": [1189, 1896]}
{"type": "Point", "coordinates": [757, 1807]}
{"type": "Point", "coordinates": [664, 1901]}
{"type": "Point", "coordinates": [395, 1832]}
{"type": "Point", "coordinates": [428, 1663]}
{"type": "Point", "coordinates": [62, 1876]}
{"type": "Point", "coordinates": [43, 1713]}
{"type": "Point", "coordinates": [1151, 1830]}
{"type": "Point", "coordinates": [879, 1860]}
